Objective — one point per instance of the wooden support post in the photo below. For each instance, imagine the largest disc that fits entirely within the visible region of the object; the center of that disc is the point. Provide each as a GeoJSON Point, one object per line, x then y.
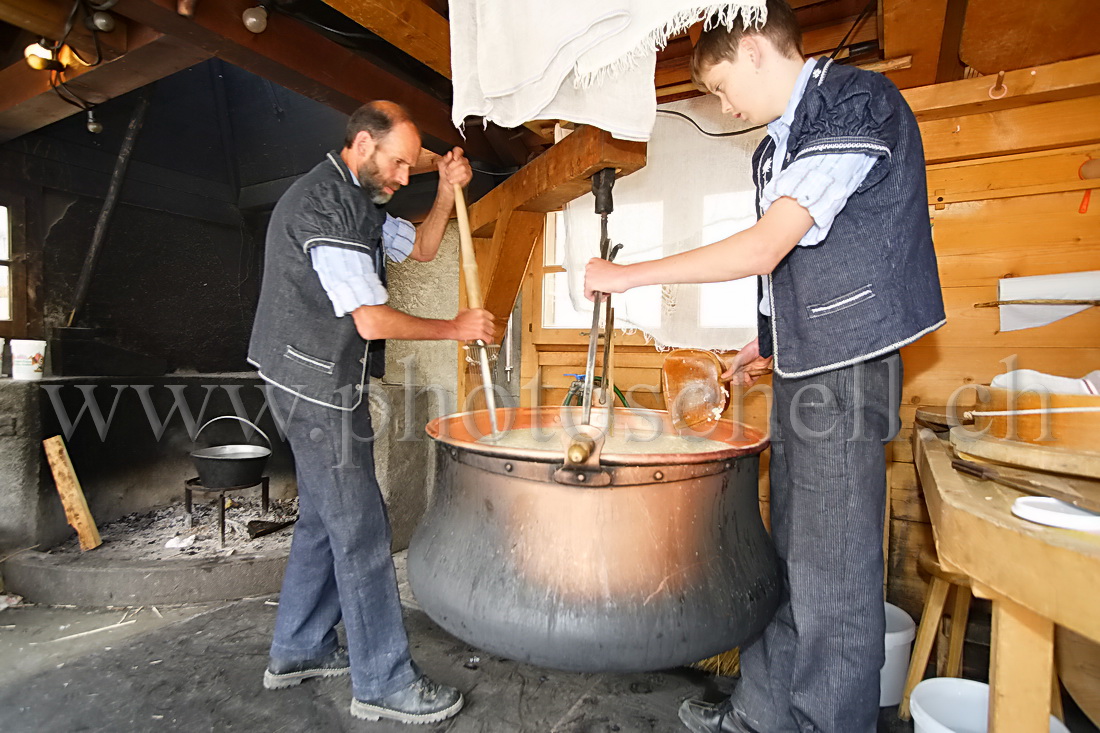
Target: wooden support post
{"type": "Point", "coordinates": [509, 256]}
{"type": "Point", "coordinates": [960, 614]}
{"type": "Point", "coordinates": [1020, 669]}
{"type": "Point", "coordinates": [926, 635]}
{"type": "Point", "coordinates": [72, 496]}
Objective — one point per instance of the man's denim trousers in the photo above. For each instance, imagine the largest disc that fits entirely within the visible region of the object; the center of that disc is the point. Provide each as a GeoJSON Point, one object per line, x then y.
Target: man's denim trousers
{"type": "Point", "coordinates": [340, 566]}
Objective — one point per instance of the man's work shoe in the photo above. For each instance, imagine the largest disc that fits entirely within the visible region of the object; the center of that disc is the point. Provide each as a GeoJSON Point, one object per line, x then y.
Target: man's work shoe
{"type": "Point", "coordinates": [280, 674]}
{"type": "Point", "coordinates": [705, 717]}
{"type": "Point", "coordinates": [421, 702]}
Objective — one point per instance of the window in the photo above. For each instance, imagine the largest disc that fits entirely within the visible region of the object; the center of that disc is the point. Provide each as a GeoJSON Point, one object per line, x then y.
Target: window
{"type": "Point", "coordinates": [5, 264]}
{"type": "Point", "coordinates": [15, 306]}
{"type": "Point", "coordinates": [557, 307]}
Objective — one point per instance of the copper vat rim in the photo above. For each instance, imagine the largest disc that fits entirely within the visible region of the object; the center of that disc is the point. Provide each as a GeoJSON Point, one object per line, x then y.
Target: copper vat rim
{"type": "Point", "coordinates": [455, 430]}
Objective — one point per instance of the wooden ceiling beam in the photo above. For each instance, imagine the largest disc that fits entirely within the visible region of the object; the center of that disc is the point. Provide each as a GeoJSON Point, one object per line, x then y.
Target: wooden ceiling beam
{"type": "Point", "coordinates": [46, 19]}
{"type": "Point", "coordinates": [822, 39]}
{"type": "Point", "coordinates": [295, 57]}
{"type": "Point", "coordinates": [410, 25]}
{"type": "Point", "coordinates": [559, 175]}
{"type": "Point", "coordinates": [28, 102]}
{"type": "Point", "coordinates": [928, 31]}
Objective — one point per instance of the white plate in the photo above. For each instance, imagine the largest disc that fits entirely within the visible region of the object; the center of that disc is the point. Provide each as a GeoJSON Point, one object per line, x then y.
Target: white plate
{"type": "Point", "coordinates": [1055, 513]}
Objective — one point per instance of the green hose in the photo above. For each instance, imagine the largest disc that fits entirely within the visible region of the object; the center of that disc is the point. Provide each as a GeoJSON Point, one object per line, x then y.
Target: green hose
{"type": "Point", "coordinates": [577, 387]}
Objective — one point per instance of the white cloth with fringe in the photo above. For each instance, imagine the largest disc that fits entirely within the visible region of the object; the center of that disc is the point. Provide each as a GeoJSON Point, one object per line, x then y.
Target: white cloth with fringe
{"type": "Point", "coordinates": [585, 61]}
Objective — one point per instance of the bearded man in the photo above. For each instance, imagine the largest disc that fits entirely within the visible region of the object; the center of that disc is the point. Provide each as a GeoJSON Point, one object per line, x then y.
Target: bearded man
{"type": "Point", "coordinates": [320, 325]}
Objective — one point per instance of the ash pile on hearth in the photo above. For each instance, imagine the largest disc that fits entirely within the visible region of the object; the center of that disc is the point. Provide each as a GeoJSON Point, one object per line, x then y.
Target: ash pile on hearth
{"type": "Point", "coordinates": [166, 534]}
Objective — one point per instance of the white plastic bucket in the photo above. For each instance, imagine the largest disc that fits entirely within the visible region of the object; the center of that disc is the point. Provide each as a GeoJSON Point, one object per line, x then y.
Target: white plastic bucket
{"type": "Point", "coordinates": [900, 631]}
{"type": "Point", "coordinates": [952, 705]}
{"type": "Point", "coordinates": [28, 358]}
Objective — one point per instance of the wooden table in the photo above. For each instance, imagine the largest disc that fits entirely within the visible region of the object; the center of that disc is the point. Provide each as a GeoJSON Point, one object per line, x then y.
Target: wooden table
{"type": "Point", "coordinates": [1036, 577]}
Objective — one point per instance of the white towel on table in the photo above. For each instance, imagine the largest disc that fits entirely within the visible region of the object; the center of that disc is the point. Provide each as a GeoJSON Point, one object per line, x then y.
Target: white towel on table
{"type": "Point", "coordinates": [586, 61]}
{"type": "Point", "coordinates": [1023, 380]}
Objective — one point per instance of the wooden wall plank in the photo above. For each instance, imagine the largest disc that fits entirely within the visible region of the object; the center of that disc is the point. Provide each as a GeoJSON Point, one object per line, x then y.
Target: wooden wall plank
{"type": "Point", "coordinates": [1043, 259]}
{"type": "Point", "coordinates": [967, 325]}
{"type": "Point", "coordinates": [906, 586]}
{"type": "Point", "coordinates": [933, 373]}
{"type": "Point", "coordinates": [1004, 35]}
{"type": "Point", "coordinates": [1022, 129]}
{"type": "Point", "coordinates": [1036, 85]}
{"type": "Point", "coordinates": [1018, 225]}
{"type": "Point", "coordinates": [990, 175]}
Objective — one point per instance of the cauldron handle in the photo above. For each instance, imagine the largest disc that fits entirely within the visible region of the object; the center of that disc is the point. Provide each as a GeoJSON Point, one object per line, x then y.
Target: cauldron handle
{"type": "Point", "coordinates": [240, 419]}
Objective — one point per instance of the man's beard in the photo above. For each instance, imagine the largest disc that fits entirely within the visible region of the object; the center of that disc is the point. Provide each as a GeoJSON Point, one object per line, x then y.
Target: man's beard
{"type": "Point", "coordinates": [370, 178]}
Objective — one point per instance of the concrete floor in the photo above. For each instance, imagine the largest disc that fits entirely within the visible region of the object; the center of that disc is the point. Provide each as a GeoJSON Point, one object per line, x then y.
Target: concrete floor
{"type": "Point", "coordinates": [199, 667]}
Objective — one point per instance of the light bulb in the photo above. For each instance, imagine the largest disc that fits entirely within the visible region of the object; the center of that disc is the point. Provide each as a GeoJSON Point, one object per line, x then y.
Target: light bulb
{"type": "Point", "coordinates": [94, 126]}
{"type": "Point", "coordinates": [255, 19]}
{"type": "Point", "coordinates": [41, 58]}
{"type": "Point", "coordinates": [100, 21]}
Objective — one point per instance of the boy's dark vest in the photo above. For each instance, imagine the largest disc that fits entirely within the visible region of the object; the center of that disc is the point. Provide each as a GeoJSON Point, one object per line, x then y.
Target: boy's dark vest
{"type": "Point", "coordinates": [871, 286]}
{"type": "Point", "coordinates": [297, 343]}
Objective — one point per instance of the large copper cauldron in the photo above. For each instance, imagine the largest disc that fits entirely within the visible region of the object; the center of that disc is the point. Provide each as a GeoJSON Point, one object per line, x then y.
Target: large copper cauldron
{"type": "Point", "coordinates": [639, 562]}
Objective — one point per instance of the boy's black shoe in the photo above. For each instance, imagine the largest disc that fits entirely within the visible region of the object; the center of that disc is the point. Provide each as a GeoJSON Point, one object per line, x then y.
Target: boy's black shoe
{"type": "Point", "coordinates": [421, 702]}
{"type": "Point", "coordinates": [280, 674]}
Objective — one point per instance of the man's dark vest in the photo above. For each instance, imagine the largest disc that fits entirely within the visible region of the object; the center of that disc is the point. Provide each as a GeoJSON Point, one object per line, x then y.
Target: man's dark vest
{"type": "Point", "coordinates": [871, 286]}
{"type": "Point", "coordinates": [298, 344]}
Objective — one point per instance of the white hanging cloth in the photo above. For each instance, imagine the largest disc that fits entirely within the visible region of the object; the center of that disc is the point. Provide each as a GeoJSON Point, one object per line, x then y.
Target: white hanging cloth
{"type": "Point", "coordinates": [586, 61]}
{"type": "Point", "coordinates": [694, 190]}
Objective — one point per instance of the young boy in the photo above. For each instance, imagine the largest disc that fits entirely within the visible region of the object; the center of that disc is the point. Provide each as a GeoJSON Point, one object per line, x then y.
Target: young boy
{"type": "Point", "coordinates": [848, 276]}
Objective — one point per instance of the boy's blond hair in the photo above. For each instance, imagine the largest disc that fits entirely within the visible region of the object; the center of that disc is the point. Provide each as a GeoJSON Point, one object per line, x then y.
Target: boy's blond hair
{"type": "Point", "coordinates": [720, 43]}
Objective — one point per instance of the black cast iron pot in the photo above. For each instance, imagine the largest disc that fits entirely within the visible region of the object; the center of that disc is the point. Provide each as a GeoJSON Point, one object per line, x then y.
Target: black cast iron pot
{"type": "Point", "coordinates": [231, 466]}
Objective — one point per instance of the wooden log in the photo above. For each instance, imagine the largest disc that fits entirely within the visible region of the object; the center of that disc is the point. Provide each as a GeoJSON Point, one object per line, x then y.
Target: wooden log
{"type": "Point", "coordinates": [72, 496]}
